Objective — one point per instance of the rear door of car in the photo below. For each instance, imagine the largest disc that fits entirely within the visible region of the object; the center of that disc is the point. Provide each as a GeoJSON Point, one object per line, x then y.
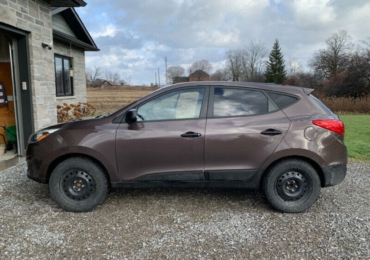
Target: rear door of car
{"type": "Point", "coordinates": [244, 127]}
{"type": "Point", "coordinates": [167, 141]}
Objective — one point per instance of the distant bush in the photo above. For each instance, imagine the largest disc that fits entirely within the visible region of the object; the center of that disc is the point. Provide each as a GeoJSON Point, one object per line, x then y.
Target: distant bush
{"type": "Point", "coordinates": [67, 112]}
{"type": "Point", "coordinates": [348, 105]}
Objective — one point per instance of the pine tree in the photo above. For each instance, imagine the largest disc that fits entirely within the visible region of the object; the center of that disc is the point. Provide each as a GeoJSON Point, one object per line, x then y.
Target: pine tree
{"type": "Point", "coordinates": [275, 69]}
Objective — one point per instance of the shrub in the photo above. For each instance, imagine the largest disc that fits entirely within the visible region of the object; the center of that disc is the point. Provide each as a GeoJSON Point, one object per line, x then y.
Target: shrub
{"type": "Point", "coordinates": [348, 105]}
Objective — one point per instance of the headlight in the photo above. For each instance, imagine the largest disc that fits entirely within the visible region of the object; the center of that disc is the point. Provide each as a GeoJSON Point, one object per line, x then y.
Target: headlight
{"type": "Point", "coordinates": [38, 136]}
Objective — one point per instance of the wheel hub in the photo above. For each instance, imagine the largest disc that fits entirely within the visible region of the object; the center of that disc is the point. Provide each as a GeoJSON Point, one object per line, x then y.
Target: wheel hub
{"type": "Point", "coordinates": [291, 186]}
{"type": "Point", "coordinates": [78, 185]}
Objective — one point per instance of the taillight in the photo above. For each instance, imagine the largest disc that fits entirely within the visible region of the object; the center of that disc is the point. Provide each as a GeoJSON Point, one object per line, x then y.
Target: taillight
{"type": "Point", "coordinates": [336, 126]}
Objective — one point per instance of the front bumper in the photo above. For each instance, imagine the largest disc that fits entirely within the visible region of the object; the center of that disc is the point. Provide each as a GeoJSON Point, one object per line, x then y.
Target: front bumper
{"type": "Point", "coordinates": [334, 174]}
{"type": "Point", "coordinates": [36, 179]}
{"type": "Point", "coordinates": [33, 171]}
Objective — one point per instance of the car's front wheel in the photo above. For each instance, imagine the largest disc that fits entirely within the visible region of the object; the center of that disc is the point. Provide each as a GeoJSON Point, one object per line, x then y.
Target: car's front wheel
{"type": "Point", "coordinates": [292, 185]}
{"type": "Point", "coordinates": [78, 185]}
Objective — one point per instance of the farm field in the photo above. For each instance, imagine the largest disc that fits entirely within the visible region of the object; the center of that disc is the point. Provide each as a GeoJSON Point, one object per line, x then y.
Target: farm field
{"type": "Point", "coordinates": [111, 99]}
{"type": "Point", "coordinates": [357, 137]}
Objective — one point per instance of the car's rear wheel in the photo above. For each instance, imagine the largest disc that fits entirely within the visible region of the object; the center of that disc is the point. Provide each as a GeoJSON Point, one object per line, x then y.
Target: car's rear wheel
{"type": "Point", "coordinates": [292, 185]}
{"type": "Point", "coordinates": [78, 185]}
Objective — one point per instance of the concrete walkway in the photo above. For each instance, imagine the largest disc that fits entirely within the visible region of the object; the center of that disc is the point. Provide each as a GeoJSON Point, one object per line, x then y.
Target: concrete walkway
{"type": "Point", "coordinates": [15, 161]}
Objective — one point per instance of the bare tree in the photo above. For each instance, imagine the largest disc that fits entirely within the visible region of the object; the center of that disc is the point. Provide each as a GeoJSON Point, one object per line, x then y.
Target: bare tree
{"type": "Point", "coordinates": [354, 82]}
{"type": "Point", "coordinates": [334, 59]}
{"type": "Point", "coordinates": [112, 77]}
{"type": "Point", "coordinates": [247, 64]}
{"type": "Point", "coordinates": [93, 74]}
{"type": "Point", "coordinates": [255, 60]}
{"type": "Point", "coordinates": [294, 68]}
{"type": "Point", "coordinates": [221, 75]}
{"type": "Point", "coordinates": [173, 72]}
{"type": "Point", "coordinates": [204, 65]}
{"type": "Point", "coordinates": [117, 78]}
{"type": "Point", "coordinates": [235, 61]}
{"type": "Point", "coordinates": [127, 81]}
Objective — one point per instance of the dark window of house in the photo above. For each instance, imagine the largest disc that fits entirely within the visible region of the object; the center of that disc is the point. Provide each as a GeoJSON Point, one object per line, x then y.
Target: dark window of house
{"type": "Point", "coordinates": [240, 102]}
{"type": "Point", "coordinates": [282, 101]}
{"type": "Point", "coordinates": [63, 79]}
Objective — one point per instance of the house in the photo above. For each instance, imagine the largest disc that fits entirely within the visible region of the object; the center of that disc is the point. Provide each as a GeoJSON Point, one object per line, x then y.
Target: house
{"type": "Point", "coordinates": [181, 79]}
{"type": "Point", "coordinates": [198, 75]}
{"type": "Point", "coordinates": [107, 84]}
{"type": "Point", "coordinates": [102, 83]}
{"type": "Point", "coordinates": [42, 61]}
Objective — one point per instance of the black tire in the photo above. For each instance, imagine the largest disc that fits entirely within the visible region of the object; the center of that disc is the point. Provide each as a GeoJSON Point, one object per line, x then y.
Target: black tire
{"type": "Point", "coordinates": [78, 185]}
{"type": "Point", "coordinates": [292, 185]}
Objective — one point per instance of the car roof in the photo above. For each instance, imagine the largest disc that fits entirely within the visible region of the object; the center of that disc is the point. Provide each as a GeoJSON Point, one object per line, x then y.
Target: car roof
{"type": "Point", "coordinates": [256, 85]}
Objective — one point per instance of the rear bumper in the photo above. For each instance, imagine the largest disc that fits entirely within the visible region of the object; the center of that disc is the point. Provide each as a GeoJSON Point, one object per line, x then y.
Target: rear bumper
{"type": "Point", "coordinates": [334, 174]}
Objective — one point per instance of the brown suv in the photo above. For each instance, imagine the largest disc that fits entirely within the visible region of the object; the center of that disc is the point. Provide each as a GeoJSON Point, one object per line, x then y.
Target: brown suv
{"type": "Point", "coordinates": [200, 134]}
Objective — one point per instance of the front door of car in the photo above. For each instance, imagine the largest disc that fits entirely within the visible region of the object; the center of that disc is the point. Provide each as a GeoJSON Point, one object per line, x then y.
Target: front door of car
{"type": "Point", "coordinates": [166, 143]}
{"type": "Point", "coordinates": [244, 127]}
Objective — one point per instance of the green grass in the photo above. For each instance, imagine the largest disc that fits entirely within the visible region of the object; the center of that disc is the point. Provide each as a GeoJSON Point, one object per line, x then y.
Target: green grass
{"type": "Point", "coordinates": [357, 136]}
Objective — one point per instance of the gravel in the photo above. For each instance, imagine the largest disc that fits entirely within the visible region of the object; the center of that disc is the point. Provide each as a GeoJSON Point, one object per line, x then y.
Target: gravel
{"type": "Point", "coordinates": [184, 223]}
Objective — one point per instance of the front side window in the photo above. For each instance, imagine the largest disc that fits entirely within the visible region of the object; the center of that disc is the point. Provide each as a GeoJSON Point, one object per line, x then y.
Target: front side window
{"type": "Point", "coordinates": [240, 102]}
{"type": "Point", "coordinates": [63, 79]}
{"type": "Point", "coordinates": [181, 104]}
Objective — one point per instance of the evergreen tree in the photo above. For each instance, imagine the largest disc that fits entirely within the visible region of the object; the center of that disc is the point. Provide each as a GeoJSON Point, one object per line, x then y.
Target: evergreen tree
{"type": "Point", "coordinates": [275, 68]}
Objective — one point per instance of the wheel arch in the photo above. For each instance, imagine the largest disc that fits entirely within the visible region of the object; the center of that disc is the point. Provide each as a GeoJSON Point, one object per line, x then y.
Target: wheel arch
{"type": "Point", "coordinates": [313, 163]}
{"type": "Point", "coordinates": [62, 158]}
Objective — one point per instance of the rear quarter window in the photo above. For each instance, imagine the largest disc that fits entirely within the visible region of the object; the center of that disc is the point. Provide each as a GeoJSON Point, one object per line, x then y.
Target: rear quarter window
{"type": "Point", "coordinates": [281, 100]}
{"type": "Point", "coordinates": [322, 105]}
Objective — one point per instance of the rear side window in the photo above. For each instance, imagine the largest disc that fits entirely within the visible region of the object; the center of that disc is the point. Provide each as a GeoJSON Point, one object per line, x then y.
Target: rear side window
{"type": "Point", "coordinates": [240, 102]}
{"type": "Point", "coordinates": [281, 100]}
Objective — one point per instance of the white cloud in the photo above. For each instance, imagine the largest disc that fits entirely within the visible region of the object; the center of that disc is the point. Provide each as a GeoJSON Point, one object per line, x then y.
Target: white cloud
{"type": "Point", "coordinates": [108, 30]}
{"type": "Point", "coordinates": [357, 21]}
{"type": "Point", "coordinates": [135, 36]}
{"type": "Point", "coordinates": [219, 38]}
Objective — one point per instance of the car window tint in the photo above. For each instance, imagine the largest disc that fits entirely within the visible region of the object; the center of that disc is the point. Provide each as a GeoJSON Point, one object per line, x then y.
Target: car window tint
{"type": "Point", "coordinates": [282, 101]}
{"type": "Point", "coordinates": [239, 102]}
{"type": "Point", "coordinates": [179, 104]}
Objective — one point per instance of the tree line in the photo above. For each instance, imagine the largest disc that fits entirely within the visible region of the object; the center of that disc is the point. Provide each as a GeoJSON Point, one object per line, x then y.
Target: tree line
{"type": "Point", "coordinates": [341, 69]}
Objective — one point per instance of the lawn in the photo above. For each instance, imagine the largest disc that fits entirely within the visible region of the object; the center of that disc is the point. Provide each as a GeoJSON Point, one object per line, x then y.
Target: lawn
{"type": "Point", "coordinates": [357, 136]}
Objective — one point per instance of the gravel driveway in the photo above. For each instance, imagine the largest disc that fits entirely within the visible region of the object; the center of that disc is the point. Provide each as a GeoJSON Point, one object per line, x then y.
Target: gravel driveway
{"type": "Point", "coordinates": [184, 224]}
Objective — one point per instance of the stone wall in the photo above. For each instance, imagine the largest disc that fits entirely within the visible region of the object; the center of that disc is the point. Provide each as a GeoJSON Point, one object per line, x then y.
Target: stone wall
{"type": "Point", "coordinates": [35, 17]}
{"type": "Point", "coordinates": [79, 79]}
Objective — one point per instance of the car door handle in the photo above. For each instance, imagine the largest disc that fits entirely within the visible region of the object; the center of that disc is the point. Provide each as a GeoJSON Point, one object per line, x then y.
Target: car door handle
{"type": "Point", "coordinates": [271, 132]}
{"type": "Point", "coordinates": [191, 135]}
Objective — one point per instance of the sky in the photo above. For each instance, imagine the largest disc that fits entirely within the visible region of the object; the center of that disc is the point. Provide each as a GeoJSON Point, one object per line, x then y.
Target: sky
{"type": "Point", "coordinates": [135, 36]}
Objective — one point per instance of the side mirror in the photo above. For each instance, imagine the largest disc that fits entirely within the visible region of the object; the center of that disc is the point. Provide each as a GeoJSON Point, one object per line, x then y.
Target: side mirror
{"type": "Point", "coordinates": [131, 117]}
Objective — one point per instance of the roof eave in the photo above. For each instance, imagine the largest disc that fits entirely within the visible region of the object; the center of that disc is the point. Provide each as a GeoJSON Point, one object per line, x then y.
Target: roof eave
{"type": "Point", "coordinates": [78, 22]}
{"type": "Point", "coordinates": [67, 3]}
{"type": "Point", "coordinates": [84, 28]}
{"type": "Point", "coordinates": [73, 41]}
